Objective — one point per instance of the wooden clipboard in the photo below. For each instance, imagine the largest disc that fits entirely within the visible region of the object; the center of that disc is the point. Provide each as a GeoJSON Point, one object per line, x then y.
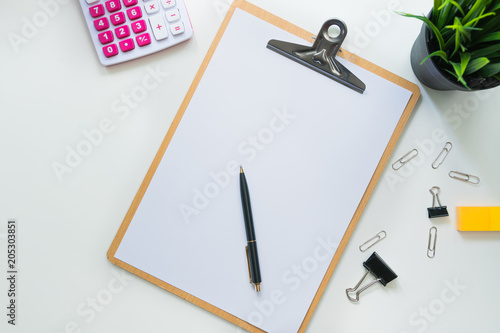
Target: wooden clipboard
{"type": "Point", "coordinates": [278, 22]}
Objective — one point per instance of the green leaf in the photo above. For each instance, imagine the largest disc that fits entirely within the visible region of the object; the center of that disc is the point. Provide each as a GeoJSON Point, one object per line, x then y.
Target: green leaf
{"type": "Point", "coordinates": [492, 24]}
{"type": "Point", "coordinates": [493, 50]}
{"type": "Point", "coordinates": [459, 68]}
{"type": "Point", "coordinates": [438, 53]}
{"type": "Point", "coordinates": [458, 32]}
{"type": "Point", "coordinates": [493, 36]}
{"type": "Point", "coordinates": [497, 7]}
{"type": "Point", "coordinates": [454, 3]}
{"type": "Point", "coordinates": [476, 64]}
{"type": "Point", "coordinates": [435, 10]}
{"type": "Point", "coordinates": [477, 19]}
{"type": "Point", "coordinates": [444, 15]}
{"type": "Point", "coordinates": [490, 70]}
{"type": "Point", "coordinates": [474, 11]}
{"type": "Point", "coordinates": [429, 25]}
{"type": "Point", "coordinates": [464, 62]}
{"type": "Point", "coordinates": [459, 79]}
{"type": "Point", "coordinates": [461, 36]}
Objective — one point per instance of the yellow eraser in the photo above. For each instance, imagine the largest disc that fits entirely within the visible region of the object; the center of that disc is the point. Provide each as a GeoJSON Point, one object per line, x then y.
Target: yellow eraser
{"type": "Point", "coordinates": [478, 218]}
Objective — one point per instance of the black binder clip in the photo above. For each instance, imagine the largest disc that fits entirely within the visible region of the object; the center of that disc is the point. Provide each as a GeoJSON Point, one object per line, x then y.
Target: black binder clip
{"type": "Point", "coordinates": [321, 56]}
{"type": "Point", "coordinates": [383, 274]}
{"type": "Point", "coordinates": [436, 211]}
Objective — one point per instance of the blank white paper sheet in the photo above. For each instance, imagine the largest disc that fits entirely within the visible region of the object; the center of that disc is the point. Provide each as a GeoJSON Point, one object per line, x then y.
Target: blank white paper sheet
{"type": "Point", "coordinates": [309, 147]}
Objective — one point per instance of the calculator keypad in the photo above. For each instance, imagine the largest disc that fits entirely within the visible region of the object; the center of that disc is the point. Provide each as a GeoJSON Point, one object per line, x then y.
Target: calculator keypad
{"type": "Point", "coordinates": [126, 29]}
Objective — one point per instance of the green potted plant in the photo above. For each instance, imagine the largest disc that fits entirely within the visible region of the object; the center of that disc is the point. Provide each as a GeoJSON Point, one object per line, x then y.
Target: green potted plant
{"type": "Point", "coordinates": [459, 45]}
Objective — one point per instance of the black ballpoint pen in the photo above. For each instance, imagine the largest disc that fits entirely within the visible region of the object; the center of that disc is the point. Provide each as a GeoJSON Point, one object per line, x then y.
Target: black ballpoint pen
{"type": "Point", "coordinates": [251, 248]}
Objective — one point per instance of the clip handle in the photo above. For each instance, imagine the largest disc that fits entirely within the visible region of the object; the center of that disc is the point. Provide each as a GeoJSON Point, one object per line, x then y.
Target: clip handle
{"type": "Point", "coordinates": [326, 46]}
{"type": "Point", "coordinates": [352, 290]}
{"type": "Point", "coordinates": [435, 196]}
{"type": "Point", "coordinates": [324, 33]}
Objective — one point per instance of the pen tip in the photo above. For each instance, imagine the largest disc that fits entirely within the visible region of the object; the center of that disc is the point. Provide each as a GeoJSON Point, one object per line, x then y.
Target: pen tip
{"type": "Point", "coordinates": [241, 169]}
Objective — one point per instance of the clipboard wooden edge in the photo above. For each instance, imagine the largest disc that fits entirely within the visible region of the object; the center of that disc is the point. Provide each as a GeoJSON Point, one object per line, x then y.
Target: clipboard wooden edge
{"type": "Point", "coordinates": [283, 24]}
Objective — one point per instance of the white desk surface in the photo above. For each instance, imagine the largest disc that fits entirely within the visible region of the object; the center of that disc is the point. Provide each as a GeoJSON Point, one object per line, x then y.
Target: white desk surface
{"type": "Point", "coordinates": [54, 94]}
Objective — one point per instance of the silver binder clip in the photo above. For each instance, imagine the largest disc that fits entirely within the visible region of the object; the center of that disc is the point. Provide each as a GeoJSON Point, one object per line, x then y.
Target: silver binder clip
{"type": "Point", "coordinates": [372, 241]}
{"type": "Point", "coordinates": [378, 268]}
{"type": "Point", "coordinates": [321, 56]}
{"type": "Point", "coordinates": [436, 211]}
{"type": "Point", "coordinates": [442, 155]}
{"type": "Point", "coordinates": [405, 159]}
{"type": "Point", "coordinates": [431, 246]}
{"type": "Point", "coordinates": [464, 177]}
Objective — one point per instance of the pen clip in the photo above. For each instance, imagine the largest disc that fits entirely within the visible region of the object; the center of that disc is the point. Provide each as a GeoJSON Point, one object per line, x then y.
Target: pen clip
{"type": "Point", "coordinates": [248, 264]}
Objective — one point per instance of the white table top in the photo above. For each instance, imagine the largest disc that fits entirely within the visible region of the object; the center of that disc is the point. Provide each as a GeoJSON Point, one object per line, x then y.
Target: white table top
{"type": "Point", "coordinates": [55, 93]}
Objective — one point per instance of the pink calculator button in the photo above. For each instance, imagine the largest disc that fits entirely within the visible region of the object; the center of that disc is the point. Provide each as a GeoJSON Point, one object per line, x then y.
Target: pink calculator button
{"type": "Point", "coordinates": [129, 3]}
{"type": "Point", "coordinates": [139, 26]}
{"type": "Point", "coordinates": [134, 13]}
{"type": "Point", "coordinates": [122, 32]}
{"type": "Point", "coordinates": [143, 39]}
{"type": "Point", "coordinates": [101, 24]}
{"type": "Point", "coordinates": [117, 18]}
{"type": "Point", "coordinates": [127, 45]}
{"type": "Point", "coordinates": [113, 5]}
{"type": "Point", "coordinates": [96, 11]}
{"type": "Point", "coordinates": [106, 37]}
{"type": "Point", "coordinates": [110, 50]}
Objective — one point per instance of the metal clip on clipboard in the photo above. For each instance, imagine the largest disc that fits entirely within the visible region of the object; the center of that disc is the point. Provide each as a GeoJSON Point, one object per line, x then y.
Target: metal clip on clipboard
{"type": "Point", "coordinates": [321, 56]}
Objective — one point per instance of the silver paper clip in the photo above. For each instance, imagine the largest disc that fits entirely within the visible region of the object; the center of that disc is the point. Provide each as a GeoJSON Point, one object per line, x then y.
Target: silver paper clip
{"type": "Point", "coordinates": [377, 238]}
{"type": "Point", "coordinates": [442, 155]}
{"type": "Point", "coordinates": [464, 177]}
{"type": "Point", "coordinates": [405, 159]}
{"type": "Point", "coordinates": [431, 246]}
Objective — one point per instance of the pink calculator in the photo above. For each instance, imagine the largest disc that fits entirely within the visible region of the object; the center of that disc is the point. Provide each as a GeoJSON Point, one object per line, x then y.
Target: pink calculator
{"type": "Point", "coordinates": [123, 30]}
